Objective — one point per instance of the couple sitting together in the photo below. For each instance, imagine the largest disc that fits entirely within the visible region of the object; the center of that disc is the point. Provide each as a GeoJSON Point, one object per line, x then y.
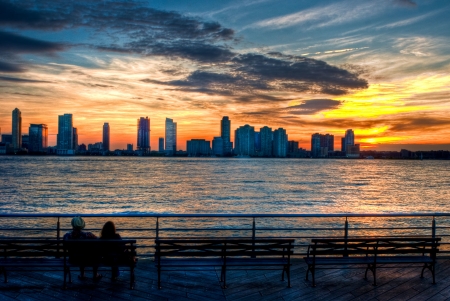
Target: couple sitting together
{"type": "Point", "coordinates": [108, 232]}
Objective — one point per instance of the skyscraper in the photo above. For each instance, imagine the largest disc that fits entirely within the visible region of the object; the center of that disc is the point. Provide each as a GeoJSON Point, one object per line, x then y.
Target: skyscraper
{"type": "Point", "coordinates": [244, 138]}
{"type": "Point", "coordinates": [217, 146]}
{"type": "Point", "coordinates": [65, 134]}
{"type": "Point", "coordinates": [143, 134]}
{"type": "Point", "coordinates": [321, 145]}
{"type": "Point", "coordinates": [225, 133]}
{"type": "Point", "coordinates": [16, 128]}
{"type": "Point", "coordinates": [327, 141]}
{"type": "Point", "coordinates": [280, 143]}
{"type": "Point", "coordinates": [266, 141]}
{"type": "Point", "coordinates": [106, 136]}
{"type": "Point", "coordinates": [171, 137]}
{"type": "Point", "coordinates": [349, 138]}
{"type": "Point", "coordinates": [315, 145]}
{"type": "Point", "coordinates": [38, 137]}
{"type": "Point", "coordinates": [161, 144]}
{"type": "Point", "coordinates": [75, 139]}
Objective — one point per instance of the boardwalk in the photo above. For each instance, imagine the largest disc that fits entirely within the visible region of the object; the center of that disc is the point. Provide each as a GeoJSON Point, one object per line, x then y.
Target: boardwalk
{"type": "Point", "coordinates": [394, 284]}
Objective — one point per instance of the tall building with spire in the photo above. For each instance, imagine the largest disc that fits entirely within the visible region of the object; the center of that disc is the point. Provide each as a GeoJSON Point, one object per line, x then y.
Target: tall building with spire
{"type": "Point", "coordinates": [171, 137]}
{"type": "Point", "coordinates": [16, 128]}
{"type": "Point", "coordinates": [65, 135]}
{"type": "Point", "coordinates": [106, 133]}
{"type": "Point", "coordinates": [143, 134]}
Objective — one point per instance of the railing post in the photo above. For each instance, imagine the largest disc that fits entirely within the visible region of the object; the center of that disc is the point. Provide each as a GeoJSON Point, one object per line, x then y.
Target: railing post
{"type": "Point", "coordinates": [157, 227]}
{"type": "Point", "coordinates": [433, 228]}
{"type": "Point", "coordinates": [253, 236]}
{"type": "Point", "coordinates": [346, 228]}
{"type": "Point", "coordinates": [346, 235]}
{"type": "Point", "coordinates": [58, 234]}
{"type": "Point", "coordinates": [58, 230]}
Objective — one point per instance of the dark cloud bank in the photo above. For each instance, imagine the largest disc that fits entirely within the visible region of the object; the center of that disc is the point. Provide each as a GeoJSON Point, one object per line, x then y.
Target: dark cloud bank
{"type": "Point", "coordinates": [132, 27]}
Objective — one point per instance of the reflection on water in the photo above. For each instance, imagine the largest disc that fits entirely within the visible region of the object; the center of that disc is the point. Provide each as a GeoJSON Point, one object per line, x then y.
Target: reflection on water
{"type": "Point", "coordinates": [214, 185]}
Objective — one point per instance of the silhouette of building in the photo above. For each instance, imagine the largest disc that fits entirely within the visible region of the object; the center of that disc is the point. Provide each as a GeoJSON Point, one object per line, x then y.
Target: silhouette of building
{"type": "Point", "coordinates": [129, 147]}
{"type": "Point", "coordinates": [7, 138]}
{"type": "Point", "coordinates": [38, 138]}
{"type": "Point", "coordinates": [327, 141]}
{"type": "Point", "coordinates": [198, 147]}
{"type": "Point", "coordinates": [266, 141]}
{"type": "Point", "coordinates": [171, 137]}
{"type": "Point", "coordinates": [315, 145]}
{"type": "Point", "coordinates": [143, 134]}
{"type": "Point", "coordinates": [292, 147]}
{"type": "Point", "coordinates": [65, 137]}
{"type": "Point", "coordinates": [257, 142]}
{"type": "Point", "coordinates": [16, 129]}
{"type": "Point", "coordinates": [225, 133]}
{"type": "Point", "coordinates": [244, 140]}
{"type": "Point", "coordinates": [280, 139]}
{"type": "Point", "coordinates": [353, 151]}
{"type": "Point", "coordinates": [217, 146]}
{"type": "Point", "coordinates": [349, 140]}
{"type": "Point", "coordinates": [321, 145]}
{"type": "Point", "coordinates": [25, 141]}
{"type": "Point", "coordinates": [106, 136]}
{"type": "Point", "coordinates": [75, 139]}
{"type": "Point", "coordinates": [161, 144]}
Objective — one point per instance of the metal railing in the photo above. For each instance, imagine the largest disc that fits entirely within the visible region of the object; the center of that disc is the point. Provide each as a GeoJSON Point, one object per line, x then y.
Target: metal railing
{"type": "Point", "coordinates": [302, 227]}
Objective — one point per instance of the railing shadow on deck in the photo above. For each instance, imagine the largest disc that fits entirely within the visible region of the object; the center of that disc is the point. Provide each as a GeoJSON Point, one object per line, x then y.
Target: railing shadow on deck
{"type": "Point", "coordinates": [146, 227]}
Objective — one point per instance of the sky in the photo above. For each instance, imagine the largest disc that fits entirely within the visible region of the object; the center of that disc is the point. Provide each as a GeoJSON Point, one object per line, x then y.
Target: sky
{"type": "Point", "coordinates": [381, 68]}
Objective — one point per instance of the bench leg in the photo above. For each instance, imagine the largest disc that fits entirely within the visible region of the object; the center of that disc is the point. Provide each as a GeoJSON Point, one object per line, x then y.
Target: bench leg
{"type": "Point", "coordinates": [159, 277]}
{"type": "Point", "coordinates": [65, 278]}
{"type": "Point", "coordinates": [132, 278]}
{"type": "Point", "coordinates": [372, 268]}
{"type": "Point", "coordinates": [431, 267]}
{"type": "Point", "coordinates": [221, 274]}
{"type": "Point", "coordinates": [282, 273]}
{"type": "Point", "coordinates": [288, 274]}
{"type": "Point", "coordinates": [307, 272]}
{"type": "Point", "coordinates": [224, 273]}
{"type": "Point", "coordinates": [313, 274]}
{"type": "Point", "coordinates": [5, 276]}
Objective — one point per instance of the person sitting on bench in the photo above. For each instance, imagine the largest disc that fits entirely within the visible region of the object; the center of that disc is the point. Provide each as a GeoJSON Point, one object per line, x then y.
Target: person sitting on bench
{"type": "Point", "coordinates": [114, 254]}
{"type": "Point", "coordinates": [78, 224]}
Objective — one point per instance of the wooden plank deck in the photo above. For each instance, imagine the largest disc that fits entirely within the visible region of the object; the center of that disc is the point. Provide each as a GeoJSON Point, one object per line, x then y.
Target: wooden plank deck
{"type": "Point", "coordinates": [203, 284]}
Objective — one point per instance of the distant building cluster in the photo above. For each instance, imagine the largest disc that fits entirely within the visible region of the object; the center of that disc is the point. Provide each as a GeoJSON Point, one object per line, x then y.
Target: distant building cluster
{"type": "Point", "coordinates": [248, 142]}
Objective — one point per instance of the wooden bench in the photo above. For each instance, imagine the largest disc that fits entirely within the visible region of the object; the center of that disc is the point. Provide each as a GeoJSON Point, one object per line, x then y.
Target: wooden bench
{"type": "Point", "coordinates": [48, 255]}
{"type": "Point", "coordinates": [226, 253]}
{"type": "Point", "coordinates": [100, 253]}
{"type": "Point", "coordinates": [373, 253]}
{"type": "Point", "coordinates": [36, 254]}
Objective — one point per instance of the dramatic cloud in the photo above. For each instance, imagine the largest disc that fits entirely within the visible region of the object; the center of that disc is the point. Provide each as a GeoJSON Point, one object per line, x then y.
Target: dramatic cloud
{"type": "Point", "coordinates": [313, 106]}
{"type": "Point", "coordinates": [252, 74]}
{"type": "Point", "coordinates": [7, 67]}
{"type": "Point", "coordinates": [21, 80]}
{"type": "Point", "coordinates": [14, 44]}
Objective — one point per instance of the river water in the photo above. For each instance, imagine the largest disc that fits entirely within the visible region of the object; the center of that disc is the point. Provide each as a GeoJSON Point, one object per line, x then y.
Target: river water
{"type": "Point", "coordinates": [221, 185]}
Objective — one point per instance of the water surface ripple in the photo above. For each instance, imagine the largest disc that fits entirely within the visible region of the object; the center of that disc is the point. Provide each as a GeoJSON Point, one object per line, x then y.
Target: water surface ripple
{"type": "Point", "coordinates": [221, 185]}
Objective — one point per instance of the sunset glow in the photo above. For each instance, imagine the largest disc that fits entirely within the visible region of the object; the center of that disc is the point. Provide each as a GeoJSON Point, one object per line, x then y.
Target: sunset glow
{"type": "Point", "coordinates": [308, 67]}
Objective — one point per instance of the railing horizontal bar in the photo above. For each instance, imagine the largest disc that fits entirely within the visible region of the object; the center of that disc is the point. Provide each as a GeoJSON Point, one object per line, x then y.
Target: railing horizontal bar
{"type": "Point", "coordinates": [227, 215]}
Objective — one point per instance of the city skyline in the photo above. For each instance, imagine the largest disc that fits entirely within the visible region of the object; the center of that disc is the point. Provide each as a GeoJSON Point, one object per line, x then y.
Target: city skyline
{"type": "Point", "coordinates": [324, 142]}
{"type": "Point", "coordinates": [379, 68]}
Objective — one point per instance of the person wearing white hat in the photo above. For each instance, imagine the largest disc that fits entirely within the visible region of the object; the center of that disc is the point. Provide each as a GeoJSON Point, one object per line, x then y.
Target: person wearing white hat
{"type": "Point", "coordinates": [78, 225]}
